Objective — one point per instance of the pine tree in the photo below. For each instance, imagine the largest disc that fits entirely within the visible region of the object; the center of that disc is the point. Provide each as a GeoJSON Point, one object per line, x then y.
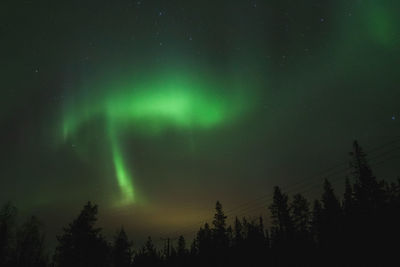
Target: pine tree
{"type": "Point", "coordinates": [282, 228]}
{"type": "Point", "coordinates": [316, 222]}
{"type": "Point", "coordinates": [30, 244]}
{"type": "Point", "coordinates": [348, 198]}
{"type": "Point", "coordinates": [331, 224]}
{"type": "Point", "coordinates": [82, 244]}
{"type": "Point", "coordinates": [219, 222]}
{"type": "Point", "coordinates": [229, 236]}
{"type": "Point", "coordinates": [300, 210]}
{"type": "Point", "coordinates": [122, 249]}
{"type": "Point", "coordinates": [300, 213]}
{"type": "Point", "coordinates": [280, 212]}
{"type": "Point", "coordinates": [181, 250]}
{"type": "Point", "coordinates": [149, 248]}
{"type": "Point", "coordinates": [148, 255]}
{"type": "Point", "coordinates": [368, 192]}
{"type": "Point", "coordinates": [238, 232]}
{"type": "Point", "coordinates": [220, 237]}
{"type": "Point", "coordinates": [369, 206]}
{"type": "Point", "coordinates": [203, 246]}
{"type": "Point", "coordinates": [331, 204]}
{"type": "Point", "coordinates": [8, 215]}
{"type": "Point", "coordinates": [316, 229]}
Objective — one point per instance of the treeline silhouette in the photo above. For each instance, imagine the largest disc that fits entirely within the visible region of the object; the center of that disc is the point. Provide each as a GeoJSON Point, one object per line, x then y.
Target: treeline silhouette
{"type": "Point", "coordinates": [360, 229]}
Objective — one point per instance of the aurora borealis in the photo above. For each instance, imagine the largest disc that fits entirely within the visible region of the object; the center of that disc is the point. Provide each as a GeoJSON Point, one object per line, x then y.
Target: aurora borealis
{"type": "Point", "coordinates": [156, 109]}
{"type": "Point", "coordinates": [172, 101]}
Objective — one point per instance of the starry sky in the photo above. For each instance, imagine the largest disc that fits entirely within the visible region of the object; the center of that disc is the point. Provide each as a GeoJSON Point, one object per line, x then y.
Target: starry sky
{"type": "Point", "coordinates": [156, 109]}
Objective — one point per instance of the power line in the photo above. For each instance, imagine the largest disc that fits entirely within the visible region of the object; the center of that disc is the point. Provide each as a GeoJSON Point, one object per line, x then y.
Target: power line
{"type": "Point", "coordinates": [263, 204]}
{"type": "Point", "coordinates": [319, 174]}
{"type": "Point", "coordinates": [333, 182]}
{"type": "Point", "coordinates": [243, 206]}
{"type": "Point", "coordinates": [301, 184]}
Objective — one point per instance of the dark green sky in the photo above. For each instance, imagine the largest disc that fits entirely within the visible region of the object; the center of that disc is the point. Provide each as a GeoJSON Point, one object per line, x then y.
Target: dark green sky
{"type": "Point", "coordinates": [156, 109]}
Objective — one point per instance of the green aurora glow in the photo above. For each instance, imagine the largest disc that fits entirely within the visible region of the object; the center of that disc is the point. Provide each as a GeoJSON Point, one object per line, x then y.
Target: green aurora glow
{"type": "Point", "coordinates": [155, 116]}
{"type": "Point", "coordinates": [189, 99]}
{"type": "Point", "coordinates": [381, 23]}
{"type": "Point", "coordinates": [150, 108]}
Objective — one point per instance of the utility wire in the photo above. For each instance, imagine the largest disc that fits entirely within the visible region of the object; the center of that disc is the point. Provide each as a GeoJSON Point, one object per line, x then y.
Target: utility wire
{"type": "Point", "coordinates": [262, 200]}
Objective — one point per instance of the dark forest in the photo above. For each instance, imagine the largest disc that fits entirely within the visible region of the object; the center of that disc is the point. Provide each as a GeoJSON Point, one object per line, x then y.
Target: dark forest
{"type": "Point", "coordinates": [199, 133]}
{"type": "Point", "coordinates": [360, 228]}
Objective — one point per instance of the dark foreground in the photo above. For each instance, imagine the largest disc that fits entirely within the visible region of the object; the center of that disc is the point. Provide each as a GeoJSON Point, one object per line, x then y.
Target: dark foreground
{"type": "Point", "coordinates": [359, 229]}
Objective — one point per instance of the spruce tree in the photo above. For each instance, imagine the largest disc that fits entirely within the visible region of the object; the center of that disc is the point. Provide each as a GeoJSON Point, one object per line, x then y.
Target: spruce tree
{"type": "Point", "coordinates": [368, 192]}
{"type": "Point", "coordinates": [280, 213]}
{"type": "Point", "coordinates": [300, 210]}
{"type": "Point", "coordinates": [82, 244]}
{"type": "Point", "coordinates": [220, 237]}
{"type": "Point", "coordinates": [30, 244]}
{"type": "Point", "coordinates": [348, 198]}
{"type": "Point", "coordinates": [8, 215]}
{"type": "Point", "coordinates": [122, 249]}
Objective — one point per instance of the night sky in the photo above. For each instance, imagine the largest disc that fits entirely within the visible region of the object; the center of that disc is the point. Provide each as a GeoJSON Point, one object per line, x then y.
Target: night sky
{"type": "Point", "coordinates": [156, 109]}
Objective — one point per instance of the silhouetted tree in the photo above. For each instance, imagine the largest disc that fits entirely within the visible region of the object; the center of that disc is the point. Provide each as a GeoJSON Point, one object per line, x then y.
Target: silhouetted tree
{"type": "Point", "coordinates": [368, 192]}
{"type": "Point", "coordinates": [219, 228]}
{"type": "Point", "coordinates": [180, 256]}
{"type": "Point", "coordinates": [149, 248]}
{"type": "Point", "coordinates": [82, 244]}
{"type": "Point", "coordinates": [282, 228]}
{"type": "Point", "coordinates": [348, 223]}
{"type": "Point", "coordinates": [181, 249]}
{"type": "Point", "coordinates": [331, 223]}
{"type": "Point", "coordinates": [229, 235]}
{"type": "Point", "coordinates": [8, 215]}
{"type": "Point", "coordinates": [348, 198]}
{"type": "Point", "coordinates": [204, 240]}
{"type": "Point", "coordinates": [122, 250]}
{"type": "Point", "coordinates": [237, 243]}
{"type": "Point", "coordinates": [300, 214]}
{"type": "Point", "coordinates": [254, 245]}
{"type": "Point", "coordinates": [368, 208]}
{"type": "Point", "coordinates": [331, 204]}
{"type": "Point", "coordinates": [316, 222]}
{"type": "Point", "coordinates": [238, 232]}
{"type": "Point", "coordinates": [194, 249]}
{"type": "Point", "coordinates": [358, 230]}
{"type": "Point", "coordinates": [280, 214]}
{"type": "Point", "coordinates": [148, 255]}
{"type": "Point", "coordinates": [30, 244]}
